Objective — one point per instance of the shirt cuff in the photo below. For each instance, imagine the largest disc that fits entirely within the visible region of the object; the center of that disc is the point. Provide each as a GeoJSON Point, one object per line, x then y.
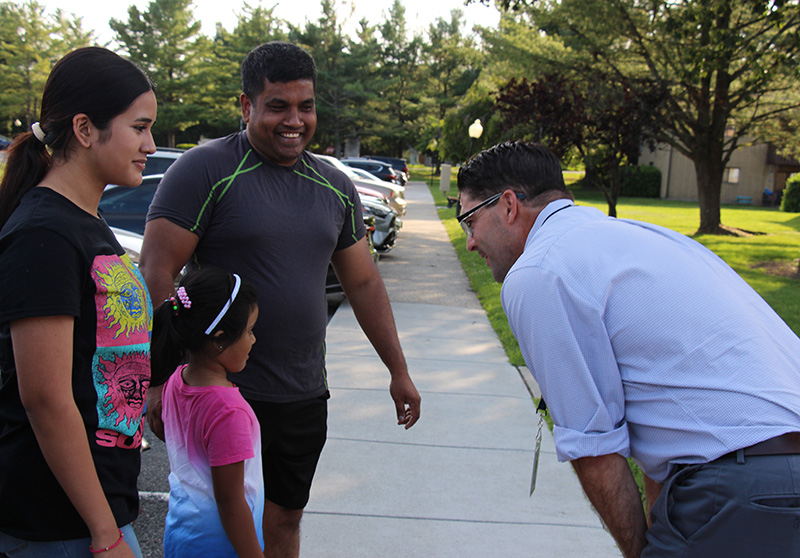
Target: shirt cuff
{"type": "Point", "coordinates": [574, 444]}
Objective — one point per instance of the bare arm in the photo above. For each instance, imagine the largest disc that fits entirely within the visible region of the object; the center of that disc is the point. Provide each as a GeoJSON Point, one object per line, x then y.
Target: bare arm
{"type": "Point", "coordinates": [237, 519]}
{"type": "Point", "coordinates": [609, 484]}
{"type": "Point", "coordinates": [43, 356]}
{"type": "Point", "coordinates": [165, 250]}
{"type": "Point", "coordinates": [366, 293]}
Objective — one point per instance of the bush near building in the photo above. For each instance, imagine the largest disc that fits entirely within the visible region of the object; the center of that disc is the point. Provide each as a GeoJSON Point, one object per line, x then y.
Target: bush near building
{"type": "Point", "coordinates": [791, 195]}
{"type": "Point", "coordinates": [640, 182]}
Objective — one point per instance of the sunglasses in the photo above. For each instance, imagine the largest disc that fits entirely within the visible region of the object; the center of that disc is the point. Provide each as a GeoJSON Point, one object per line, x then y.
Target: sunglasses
{"type": "Point", "coordinates": [467, 225]}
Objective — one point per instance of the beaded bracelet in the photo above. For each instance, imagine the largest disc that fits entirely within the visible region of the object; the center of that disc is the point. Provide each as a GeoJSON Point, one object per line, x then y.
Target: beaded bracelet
{"type": "Point", "coordinates": [115, 545]}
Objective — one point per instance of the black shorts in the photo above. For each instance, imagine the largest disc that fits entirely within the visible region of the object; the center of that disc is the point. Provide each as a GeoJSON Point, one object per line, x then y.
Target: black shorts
{"type": "Point", "coordinates": [292, 438]}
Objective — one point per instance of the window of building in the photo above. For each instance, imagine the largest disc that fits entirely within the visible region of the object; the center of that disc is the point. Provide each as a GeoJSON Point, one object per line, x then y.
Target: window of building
{"type": "Point", "coordinates": [732, 175]}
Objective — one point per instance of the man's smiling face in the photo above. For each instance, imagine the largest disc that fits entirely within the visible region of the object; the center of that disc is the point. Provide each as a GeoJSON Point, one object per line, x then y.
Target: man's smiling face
{"type": "Point", "coordinates": [281, 121]}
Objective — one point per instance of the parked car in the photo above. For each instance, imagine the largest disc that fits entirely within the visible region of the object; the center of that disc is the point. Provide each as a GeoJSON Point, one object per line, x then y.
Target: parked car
{"type": "Point", "coordinates": [4, 142]}
{"type": "Point", "coordinates": [382, 170]}
{"type": "Point", "coordinates": [394, 192]}
{"type": "Point", "coordinates": [398, 164]}
{"type": "Point", "coordinates": [131, 242]}
{"type": "Point", "coordinates": [126, 208]}
{"type": "Point", "coordinates": [366, 175]}
{"type": "Point", "coordinates": [159, 162]}
{"type": "Point", "coordinates": [387, 223]}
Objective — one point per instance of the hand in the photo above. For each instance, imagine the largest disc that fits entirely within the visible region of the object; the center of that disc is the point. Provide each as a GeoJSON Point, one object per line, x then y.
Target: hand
{"type": "Point", "coordinates": [406, 400]}
{"type": "Point", "coordinates": [154, 420]}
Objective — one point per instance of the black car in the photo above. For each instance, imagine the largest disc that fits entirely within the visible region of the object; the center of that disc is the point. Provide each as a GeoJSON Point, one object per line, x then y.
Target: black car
{"type": "Point", "coordinates": [160, 161]}
{"type": "Point", "coordinates": [382, 170]}
{"type": "Point", "coordinates": [126, 208]}
{"type": "Point", "coordinates": [398, 164]}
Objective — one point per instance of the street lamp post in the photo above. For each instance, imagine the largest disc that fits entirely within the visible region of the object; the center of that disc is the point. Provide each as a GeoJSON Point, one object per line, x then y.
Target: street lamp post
{"type": "Point", "coordinates": [475, 131]}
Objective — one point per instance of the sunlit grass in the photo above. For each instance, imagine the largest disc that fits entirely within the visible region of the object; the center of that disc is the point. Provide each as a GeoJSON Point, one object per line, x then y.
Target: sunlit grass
{"type": "Point", "coordinates": [777, 241]}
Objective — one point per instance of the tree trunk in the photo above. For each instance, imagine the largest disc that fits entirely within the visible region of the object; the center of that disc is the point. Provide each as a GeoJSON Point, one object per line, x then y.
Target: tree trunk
{"type": "Point", "coordinates": [613, 186]}
{"type": "Point", "coordinates": [709, 188]}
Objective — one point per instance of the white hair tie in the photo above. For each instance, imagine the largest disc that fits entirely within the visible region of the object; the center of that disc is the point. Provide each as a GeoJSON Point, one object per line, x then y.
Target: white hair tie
{"type": "Point", "coordinates": [37, 131]}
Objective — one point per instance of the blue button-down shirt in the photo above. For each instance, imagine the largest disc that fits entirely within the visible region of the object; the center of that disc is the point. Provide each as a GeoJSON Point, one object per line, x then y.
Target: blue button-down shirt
{"type": "Point", "coordinates": [645, 343]}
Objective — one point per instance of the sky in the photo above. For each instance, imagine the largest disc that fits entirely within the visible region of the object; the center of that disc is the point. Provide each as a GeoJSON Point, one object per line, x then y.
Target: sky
{"type": "Point", "coordinates": [419, 13]}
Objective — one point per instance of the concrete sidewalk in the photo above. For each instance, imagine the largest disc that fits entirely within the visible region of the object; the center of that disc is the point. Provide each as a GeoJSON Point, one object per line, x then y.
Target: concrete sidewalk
{"type": "Point", "coordinates": [457, 483]}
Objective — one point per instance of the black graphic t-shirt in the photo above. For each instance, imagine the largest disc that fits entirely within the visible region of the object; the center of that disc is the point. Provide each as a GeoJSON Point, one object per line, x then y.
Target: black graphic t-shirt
{"type": "Point", "coordinates": [57, 260]}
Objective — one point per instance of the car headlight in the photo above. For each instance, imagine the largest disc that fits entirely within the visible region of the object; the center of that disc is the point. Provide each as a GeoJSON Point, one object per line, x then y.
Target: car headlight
{"type": "Point", "coordinates": [377, 211]}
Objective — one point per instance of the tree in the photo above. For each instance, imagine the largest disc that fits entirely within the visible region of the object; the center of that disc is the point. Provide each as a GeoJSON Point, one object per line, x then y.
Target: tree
{"type": "Point", "coordinates": [166, 42]}
{"type": "Point", "coordinates": [725, 66]}
{"type": "Point", "coordinates": [30, 43]}
{"type": "Point", "coordinates": [220, 75]}
{"type": "Point", "coordinates": [343, 85]}
{"type": "Point", "coordinates": [398, 105]}
{"type": "Point", "coordinates": [452, 64]}
{"type": "Point", "coordinates": [605, 118]}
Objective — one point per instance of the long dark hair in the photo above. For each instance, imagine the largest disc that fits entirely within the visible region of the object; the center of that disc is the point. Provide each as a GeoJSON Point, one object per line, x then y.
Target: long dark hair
{"type": "Point", "coordinates": [92, 81]}
{"type": "Point", "coordinates": [178, 332]}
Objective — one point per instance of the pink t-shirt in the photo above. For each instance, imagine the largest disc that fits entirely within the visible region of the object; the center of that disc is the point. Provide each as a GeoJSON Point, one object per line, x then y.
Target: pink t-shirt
{"type": "Point", "coordinates": [206, 427]}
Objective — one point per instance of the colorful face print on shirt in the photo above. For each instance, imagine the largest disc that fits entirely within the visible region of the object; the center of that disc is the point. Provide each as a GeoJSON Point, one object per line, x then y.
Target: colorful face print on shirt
{"type": "Point", "coordinates": [121, 364]}
{"type": "Point", "coordinates": [123, 306]}
{"type": "Point", "coordinates": [122, 390]}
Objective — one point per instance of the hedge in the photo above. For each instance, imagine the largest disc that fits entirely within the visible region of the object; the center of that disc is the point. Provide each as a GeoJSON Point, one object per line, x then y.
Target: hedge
{"type": "Point", "coordinates": [791, 195]}
{"type": "Point", "coordinates": [640, 182]}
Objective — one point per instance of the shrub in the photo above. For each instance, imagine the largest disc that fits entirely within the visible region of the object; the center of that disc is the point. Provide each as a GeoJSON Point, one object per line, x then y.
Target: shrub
{"type": "Point", "coordinates": [791, 195]}
{"type": "Point", "coordinates": [640, 182]}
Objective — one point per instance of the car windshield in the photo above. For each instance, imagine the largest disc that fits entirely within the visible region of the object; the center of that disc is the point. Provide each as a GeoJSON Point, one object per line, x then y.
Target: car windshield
{"type": "Point", "coordinates": [119, 199]}
{"type": "Point", "coordinates": [336, 163]}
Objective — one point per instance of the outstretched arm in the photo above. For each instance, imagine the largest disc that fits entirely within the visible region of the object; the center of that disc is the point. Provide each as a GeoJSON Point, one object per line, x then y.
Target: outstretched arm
{"type": "Point", "coordinates": [609, 484]}
{"type": "Point", "coordinates": [366, 293]}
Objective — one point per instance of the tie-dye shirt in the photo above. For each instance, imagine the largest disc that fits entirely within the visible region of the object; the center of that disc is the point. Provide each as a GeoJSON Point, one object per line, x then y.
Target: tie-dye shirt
{"type": "Point", "coordinates": [204, 427]}
{"type": "Point", "coordinates": [58, 260]}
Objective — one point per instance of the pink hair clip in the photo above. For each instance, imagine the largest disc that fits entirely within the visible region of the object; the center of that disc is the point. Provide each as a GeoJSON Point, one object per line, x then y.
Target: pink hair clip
{"type": "Point", "coordinates": [184, 298]}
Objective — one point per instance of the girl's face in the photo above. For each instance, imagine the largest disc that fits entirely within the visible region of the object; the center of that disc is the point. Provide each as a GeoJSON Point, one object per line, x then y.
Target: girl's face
{"type": "Point", "coordinates": [235, 355]}
{"type": "Point", "coordinates": [120, 158]}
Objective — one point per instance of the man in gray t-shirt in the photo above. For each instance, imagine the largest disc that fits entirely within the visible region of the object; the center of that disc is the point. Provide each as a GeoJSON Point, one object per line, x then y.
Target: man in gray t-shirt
{"type": "Point", "coordinates": [257, 204]}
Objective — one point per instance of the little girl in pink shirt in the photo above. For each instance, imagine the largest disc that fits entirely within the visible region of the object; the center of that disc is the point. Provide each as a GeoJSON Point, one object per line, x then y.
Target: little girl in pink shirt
{"type": "Point", "coordinates": [213, 438]}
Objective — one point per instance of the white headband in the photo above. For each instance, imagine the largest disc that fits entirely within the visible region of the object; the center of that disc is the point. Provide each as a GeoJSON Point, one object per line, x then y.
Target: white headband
{"type": "Point", "coordinates": [227, 305]}
{"type": "Point", "coordinates": [37, 131]}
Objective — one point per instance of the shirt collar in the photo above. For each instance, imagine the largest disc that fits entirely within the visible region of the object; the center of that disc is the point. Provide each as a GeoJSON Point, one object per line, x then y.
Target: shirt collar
{"type": "Point", "coordinates": [545, 214]}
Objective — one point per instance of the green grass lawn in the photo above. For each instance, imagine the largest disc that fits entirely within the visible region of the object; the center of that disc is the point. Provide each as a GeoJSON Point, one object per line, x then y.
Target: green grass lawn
{"type": "Point", "coordinates": [755, 258]}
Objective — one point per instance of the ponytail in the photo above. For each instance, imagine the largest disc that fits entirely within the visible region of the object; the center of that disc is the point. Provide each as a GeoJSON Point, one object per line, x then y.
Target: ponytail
{"type": "Point", "coordinates": [26, 164]}
{"type": "Point", "coordinates": [167, 349]}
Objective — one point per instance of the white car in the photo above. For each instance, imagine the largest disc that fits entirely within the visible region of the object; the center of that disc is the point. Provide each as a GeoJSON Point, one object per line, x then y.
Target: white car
{"type": "Point", "coordinates": [131, 242]}
{"type": "Point", "coordinates": [394, 192]}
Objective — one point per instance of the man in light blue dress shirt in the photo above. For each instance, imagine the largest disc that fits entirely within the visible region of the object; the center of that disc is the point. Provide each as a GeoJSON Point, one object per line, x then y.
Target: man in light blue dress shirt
{"type": "Point", "coordinates": [645, 345]}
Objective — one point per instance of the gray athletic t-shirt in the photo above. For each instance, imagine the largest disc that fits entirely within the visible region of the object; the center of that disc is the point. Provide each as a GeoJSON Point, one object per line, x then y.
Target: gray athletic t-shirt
{"type": "Point", "coordinates": [277, 227]}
